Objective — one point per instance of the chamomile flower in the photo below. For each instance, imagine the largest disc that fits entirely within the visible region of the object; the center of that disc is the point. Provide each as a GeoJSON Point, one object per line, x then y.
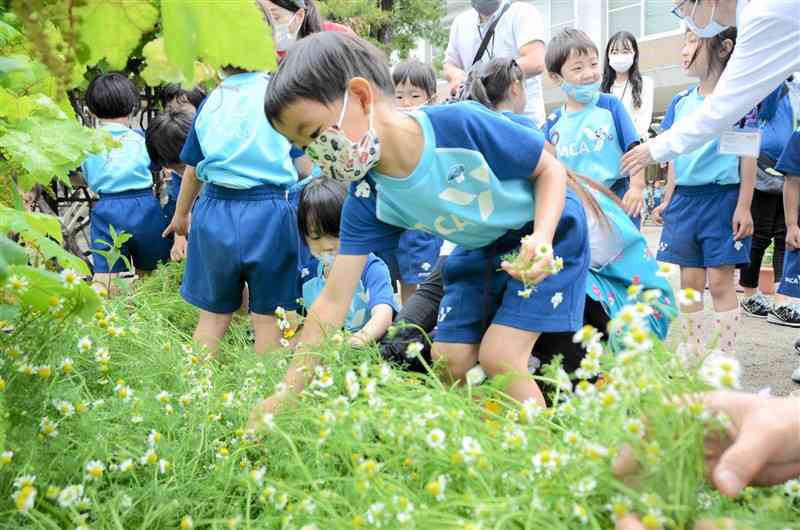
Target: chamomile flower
{"type": "Point", "coordinates": [437, 487]}
{"type": "Point", "coordinates": [586, 335]}
{"type": "Point", "coordinates": [186, 523]}
{"type": "Point", "coordinates": [547, 461]}
{"type": "Point", "coordinates": [792, 488]}
{"type": "Point", "coordinates": [163, 397]}
{"type": "Point", "coordinates": [70, 496]}
{"type": "Point", "coordinates": [435, 439]}
{"type": "Point", "coordinates": [17, 284]}
{"type": "Point", "coordinates": [65, 408]}
{"type": "Point", "coordinates": [689, 296]}
{"type": "Point", "coordinates": [6, 457]}
{"type": "Point", "coordinates": [581, 513]}
{"type": "Point", "coordinates": [124, 392]}
{"type": "Point", "coordinates": [257, 475]}
{"type": "Point", "coordinates": [153, 438]}
{"type": "Point", "coordinates": [44, 371]}
{"type": "Point", "coordinates": [324, 378]}
{"type": "Point", "coordinates": [48, 428]}
{"type": "Point", "coordinates": [584, 487]}
{"type": "Point", "coordinates": [531, 409]}
{"type": "Point", "coordinates": [572, 438]}
{"type": "Point", "coordinates": [595, 451]}
{"type": "Point", "coordinates": [470, 449]}
{"type": "Point", "coordinates": [102, 355]}
{"type": "Point", "coordinates": [67, 366]}
{"type": "Point", "coordinates": [150, 457]}
{"type": "Point", "coordinates": [70, 278]}
{"type": "Point", "coordinates": [635, 427]}
{"type": "Point", "coordinates": [666, 270]}
{"type": "Point", "coordinates": [619, 507]}
{"type": "Point", "coordinates": [514, 438]}
{"type": "Point", "coordinates": [126, 465]}
{"type": "Point", "coordinates": [639, 339]}
{"type": "Point", "coordinates": [24, 480]}
{"type": "Point", "coordinates": [84, 344]}
{"type": "Point", "coordinates": [413, 350]}
{"type": "Point", "coordinates": [24, 498]}
{"type": "Point", "coordinates": [94, 469]}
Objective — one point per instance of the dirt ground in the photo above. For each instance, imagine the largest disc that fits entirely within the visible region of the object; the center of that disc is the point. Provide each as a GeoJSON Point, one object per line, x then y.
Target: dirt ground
{"type": "Point", "coordinates": [765, 350]}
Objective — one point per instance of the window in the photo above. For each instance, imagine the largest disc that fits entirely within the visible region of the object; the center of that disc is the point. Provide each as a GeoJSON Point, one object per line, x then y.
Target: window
{"type": "Point", "coordinates": [641, 17]}
{"type": "Point", "coordinates": [558, 14]}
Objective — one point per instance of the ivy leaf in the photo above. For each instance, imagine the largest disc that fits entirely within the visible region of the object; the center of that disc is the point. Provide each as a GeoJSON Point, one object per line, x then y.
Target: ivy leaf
{"type": "Point", "coordinates": [192, 32]}
{"type": "Point", "coordinates": [159, 69]}
{"type": "Point", "coordinates": [112, 30]}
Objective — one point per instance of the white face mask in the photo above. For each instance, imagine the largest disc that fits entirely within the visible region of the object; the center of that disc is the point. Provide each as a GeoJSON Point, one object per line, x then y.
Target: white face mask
{"type": "Point", "coordinates": [621, 62]}
{"type": "Point", "coordinates": [712, 29]}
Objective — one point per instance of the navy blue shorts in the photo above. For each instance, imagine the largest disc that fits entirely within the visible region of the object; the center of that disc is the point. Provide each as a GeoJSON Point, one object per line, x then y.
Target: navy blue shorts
{"type": "Point", "coordinates": [790, 283]}
{"type": "Point", "coordinates": [243, 237]}
{"type": "Point", "coordinates": [698, 228]}
{"type": "Point", "coordinates": [173, 188]}
{"type": "Point", "coordinates": [414, 258]}
{"type": "Point", "coordinates": [620, 188]}
{"type": "Point", "coordinates": [477, 293]}
{"type": "Point", "coordinates": [138, 213]}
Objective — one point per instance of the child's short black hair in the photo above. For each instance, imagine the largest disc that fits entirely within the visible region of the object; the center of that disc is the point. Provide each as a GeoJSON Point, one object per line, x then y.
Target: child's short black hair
{"type": "Point", "coordinates": [319, 68]}
{"type": "Point", "coordinates": [166, 135]}
{"type": "Point", "coordinates": [112, 96]}
{"type": "Point", "coordinates": [560, 46]}
{"type": "Point", "coordinates": [173, 91]}
{"type": "Point", "coordinates": [321, 203]}
{"type": "Point", "coordinates": [417, 74]}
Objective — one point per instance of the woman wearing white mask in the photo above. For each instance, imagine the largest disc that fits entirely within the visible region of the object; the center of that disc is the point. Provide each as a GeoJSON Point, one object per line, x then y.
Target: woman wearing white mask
{"type": "Point", "coordinates": [767, 52]}
{"type": "Point", "coordinates": [621, 78]}
{"type": "Point", "coordinates": [292, 20]}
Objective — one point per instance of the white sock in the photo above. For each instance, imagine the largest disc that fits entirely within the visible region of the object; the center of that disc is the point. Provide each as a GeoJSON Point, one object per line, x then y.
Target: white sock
{"type": "Point", "coordinates": [727, 324]}
{"type": "Point", "coordinates": [694, 336]}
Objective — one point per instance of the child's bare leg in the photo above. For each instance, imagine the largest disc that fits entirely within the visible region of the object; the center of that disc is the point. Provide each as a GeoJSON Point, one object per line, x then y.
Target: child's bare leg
{"type": "Point", "coordinates": [245, 307]}
{"type": "Point", "coordinates": [210, 329]}
{"type": "Point", "coordinates": [458, 359]}
{"type": "Point", "coordinates": [267, 333]}
{"type": "Point", "coordinates": [507, 350]}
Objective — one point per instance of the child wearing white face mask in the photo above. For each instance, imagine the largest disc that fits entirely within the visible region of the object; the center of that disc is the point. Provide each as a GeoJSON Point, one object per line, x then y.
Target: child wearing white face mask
{"type": "Point", "coordinates": [621, 78]}
{"type": "Point", "coordinates": [373, 306]}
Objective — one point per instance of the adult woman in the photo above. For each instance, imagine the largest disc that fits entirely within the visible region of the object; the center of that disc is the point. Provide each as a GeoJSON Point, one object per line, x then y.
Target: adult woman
{"type": "Point", "coordinates": [767, 52]}
{"type": "Point", "coordinates": [294, 19]}
{"type": "Point", "coordinates": [621, 78]}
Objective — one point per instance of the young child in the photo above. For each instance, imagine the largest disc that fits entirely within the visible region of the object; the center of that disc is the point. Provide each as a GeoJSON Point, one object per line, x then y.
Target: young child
{"type": "Point", "coordinates": [789, 165]}
{"type": "Point", "coordinates": [123, 180]}
{"type": "Point", "coordinates": [592, 131]}
{"type": "Point", "coordinates": [499, 85]}
{"type": "Point", "coordinates": [243, 228]}
{"type": "Point", "coordinates": [173, 96]}
{"type": "Point", "coordinates": [459, 171]}
{"type": "Point", "coordinates": [373, 306]}
{"type": "Point", "coordinates": [707, 222]}
{"type": "Point", "coordinates": [164, 138]}
{"type": "Point", "coordinates": [417, 251]}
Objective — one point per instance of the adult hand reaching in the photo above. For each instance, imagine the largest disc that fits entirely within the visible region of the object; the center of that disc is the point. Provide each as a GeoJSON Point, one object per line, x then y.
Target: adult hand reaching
{"type": "Point", "coordinates": [636, 160]}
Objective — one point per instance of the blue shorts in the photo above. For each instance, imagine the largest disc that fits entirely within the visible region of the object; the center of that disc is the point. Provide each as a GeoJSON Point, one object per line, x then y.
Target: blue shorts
{"type": "Point", "coordinates": [138, 213]}
{"type": "Point", "coordinates": [620, 188]}
{"type": "Point", "coordinates": [477, 293]}
{"type": "Point", "coordinates": [414, 258]}
{"type": "Point", "coordinates": [173, 188]}
{"type": "Point", "coordinates": [243, 237]}
{"type": "Point", "coordinates": [790, 283]}
{"type": "Point", "coordinates": [698, 228]}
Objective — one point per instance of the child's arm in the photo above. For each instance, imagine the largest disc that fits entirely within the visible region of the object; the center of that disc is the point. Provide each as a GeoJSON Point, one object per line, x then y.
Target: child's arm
{"type": "Point", "coordinates": [633, 199]}
{"type": "Point", "coordinates": [379, 322]}
{"type": "Point", "coordinates": [190, 187]}
{"type": "Point", "coordinates": [742, 218]}
{"type": "Point", "coordinates": [326, 314]}
{"type": "Point", "coordinates": [791, 199]}
{"type": "Point", "coordinates": [550, 180]}
{"type": "Point", "coordinates": [304, 166]}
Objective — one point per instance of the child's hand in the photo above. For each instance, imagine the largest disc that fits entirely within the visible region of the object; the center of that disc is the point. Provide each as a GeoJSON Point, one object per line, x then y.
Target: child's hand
{"type": "Point", "coordinates": [633, 200]}
{"type": "Point", "coordinates": [742, 223]}
{"type": "Point", "coordinates": [178, 226]}
{"type": "Point", "coordinates": [657, 213]}
{"type": "Point", "coordinates": [178, 250]}
{"type": "Point", "coordinates": [358, 341]}
{"type": "Point", "coordinates": [535, 261]}
{"type": "Point", "coordinates": [793, 236]}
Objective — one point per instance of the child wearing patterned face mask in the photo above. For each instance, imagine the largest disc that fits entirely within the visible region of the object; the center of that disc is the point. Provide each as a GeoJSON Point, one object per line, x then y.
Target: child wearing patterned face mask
{"type": "Point", "coordinates": [592, 131]}
{"type": "Point", "coordinates": [460, 171]}
{"type": "Point", "coordinates": [373, 306]}
{"type": "Point", "coordinates": [622, 79]}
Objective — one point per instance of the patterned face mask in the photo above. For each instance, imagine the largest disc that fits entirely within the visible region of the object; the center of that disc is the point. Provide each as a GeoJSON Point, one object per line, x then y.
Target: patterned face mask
{"type": "Point", "coordinates": [339, 157]}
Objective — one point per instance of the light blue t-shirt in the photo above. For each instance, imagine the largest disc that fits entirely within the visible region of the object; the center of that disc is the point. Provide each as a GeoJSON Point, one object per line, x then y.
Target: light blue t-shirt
{"type": "Point", "coordinates": [121, 169]}
{"type": "Point", "coordinates": [374, 289]}
{"type": "Point", "coordinates": [591, 141]}
{"type": "Point", "coordinates": [703, 165]}
{"type": "Point", "coordinates": [471, 186]}
{"type": "Point", "coordinates": [231, 143]}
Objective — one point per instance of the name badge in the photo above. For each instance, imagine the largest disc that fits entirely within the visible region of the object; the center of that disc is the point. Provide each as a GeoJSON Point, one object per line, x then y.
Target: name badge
{"type": "Point", "coordinates": [742, 142]}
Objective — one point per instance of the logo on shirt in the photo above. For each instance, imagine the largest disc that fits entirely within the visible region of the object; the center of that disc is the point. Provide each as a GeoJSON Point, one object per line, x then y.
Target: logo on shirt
{"type": "Point", "coordinates": [456, 174]}
{"type": "Point", "coordinates": [592, 140]}
{"type": "Point", "coordinates": [363, 190]}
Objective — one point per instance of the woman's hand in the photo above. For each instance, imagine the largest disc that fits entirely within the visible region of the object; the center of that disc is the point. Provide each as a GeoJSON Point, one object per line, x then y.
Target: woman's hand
{"type": "Point", "coordinates": [636, 160]}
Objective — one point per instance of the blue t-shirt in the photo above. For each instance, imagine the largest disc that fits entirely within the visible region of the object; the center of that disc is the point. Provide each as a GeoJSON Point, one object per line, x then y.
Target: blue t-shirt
{"type": "Point", "coordinates": [471, 186]}
{"type": "Point", "coordinates": [231, 143]}
{"type": "Point", "coordinates": [703, 165]}
{"type": "Point", "coordinates": [776, 130]}
{"type": "Point", "coordinates": [520, 118]}
{"type": "Point", "coordinates": [591, 141]}
{"type": "Point", "coordinates": [375, 288]}
{"type": "Point", "coordinates": [121, 169]}
{"type": "Point", "coordinates": [789, 162]}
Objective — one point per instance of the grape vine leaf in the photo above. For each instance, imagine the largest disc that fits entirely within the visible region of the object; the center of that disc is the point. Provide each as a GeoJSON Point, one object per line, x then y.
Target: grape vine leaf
{"type": "Point", "coordinates": [192, 31]}
{"type": "Point", "coordinates": [158, 69]}
{"type": "Point", "coordinates": [112, 30]}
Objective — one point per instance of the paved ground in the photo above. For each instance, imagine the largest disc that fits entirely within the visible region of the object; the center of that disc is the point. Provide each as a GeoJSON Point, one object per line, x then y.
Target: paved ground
{"type": "Point", "coordinates": [765, 350]}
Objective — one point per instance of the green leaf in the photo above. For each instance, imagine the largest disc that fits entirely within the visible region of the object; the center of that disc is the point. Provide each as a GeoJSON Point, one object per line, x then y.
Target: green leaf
{"type": "Point", "coordinates": [43, 285]}
{"type": "Point", "coordinates": [192, 32]}
{"type": "Point", "coordinates": [11, 252]}
{"type": "Point", "coordinates": [159, 69]}
{"type": "Point", "coordinates": [112, 30]}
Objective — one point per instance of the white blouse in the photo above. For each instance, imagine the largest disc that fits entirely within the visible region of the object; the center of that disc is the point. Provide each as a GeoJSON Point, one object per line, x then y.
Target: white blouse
{"type": "Point", "coordinates": [643, 115]}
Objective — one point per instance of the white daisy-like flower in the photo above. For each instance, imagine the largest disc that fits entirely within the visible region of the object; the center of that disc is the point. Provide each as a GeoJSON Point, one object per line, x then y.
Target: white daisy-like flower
{"type": "Point", "coordinates": [64, 407]}
{"type": "Point", "coordinates": [792, 488]}
{"type": "Point", "coordinates": [470, 449]}
{"type": "Point", "coordinates": [258, 475]}
{"type": "Point", "coordinates": [666, 270]}
{"type": "Point", "coordinates": [324, 377]}
{"type": "Point", "coordinates": [24, 480]}
{"type": "Point", "coordinates": [94, 469]}
{"type": "Point", "coordinates": [126, 465]}
{"type": "Point", "coordinates": [586, 335]}
{"type": "Point", "coordinates": [572, 438]}
{"type": "Point", "coordinates": [689, 296]}
{"type": "Point", "coordinates": [69, 496]}
{"type": "Point", "coordinates": [6, 457]}
{"type": "Point", "coordinates": [163, 397]}
{"type": "Point", "coordinates": [24, 498]}
{"type": "Point", "coordinates": [84, 344]}
{"type": "Point", "coordinates": [67, 365]}
{"type": "Point", "coordinates": [584, 487]}
{"type": "Point", "coordinates": [70, 278]}
{"type": "Point", "coordinates": [635, 427]}
{"type": "Point", "coordinates": [547, 461]}
{"type": "Point", "coordinates": [436, 439]}
{"type": "Point", "coordinates": [531, 409]}
{"type": "Point", "coordinates": [17, 284]}
{"type": "Point", "coordinates": [437, 487]}
{"type": "Point", "coordinates": [413, 350]}
{"type": "Point", "coordinates": [102, 355]}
